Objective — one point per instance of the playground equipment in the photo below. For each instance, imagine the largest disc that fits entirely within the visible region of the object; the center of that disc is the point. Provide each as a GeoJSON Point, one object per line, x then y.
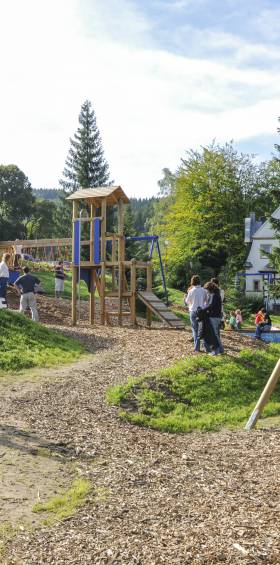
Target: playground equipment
{"type": "Point", "coordinates": [265, 396]}
{"type": "Point", "coordinates": [104, 267]}
{"type": "Point", "coordinates": [46, 249]}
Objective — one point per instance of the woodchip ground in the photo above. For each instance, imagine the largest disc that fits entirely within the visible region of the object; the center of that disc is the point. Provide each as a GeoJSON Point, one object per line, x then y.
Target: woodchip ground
{"type": "Point", "coordinates": [199, 498]}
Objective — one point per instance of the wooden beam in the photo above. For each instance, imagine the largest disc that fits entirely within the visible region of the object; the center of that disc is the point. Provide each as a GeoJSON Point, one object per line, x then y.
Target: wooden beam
{"type": "Point", "coordinates": [74, 294]}
{"type": "Point", "coordinates": [92, 297]}
{"type": "Point", "coordinates": [102, 294]}
{"type": "Point", "coordinates": [74, 269]}
{"type": "Point", "coordinates": [120, 289]}
{"type": "Point", "coordinates": [133, 292]}
{"type": "Point", "coordinates": [113, 261]}
{"type": "Point", "coordinates": [121, 250]}
{"type": "Point", "coordinates": [265, 395]}
{"type": "Point", "coordinates": [91, 243]}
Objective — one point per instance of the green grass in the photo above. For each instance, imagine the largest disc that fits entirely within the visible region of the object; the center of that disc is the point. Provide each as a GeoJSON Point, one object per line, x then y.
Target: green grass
{"type": "Point", "coordinates": [67, 503]}
{"type": "Point", "coordinates": [47, 279]}
{"type": "Point", "coordinates": [199, 393]}
{"type": "Point", "coordinates": [7, 533]}
{"type": "Point", "coordinates": [176, 296]}
{"type": "Point", "coordinates": [25, 344]}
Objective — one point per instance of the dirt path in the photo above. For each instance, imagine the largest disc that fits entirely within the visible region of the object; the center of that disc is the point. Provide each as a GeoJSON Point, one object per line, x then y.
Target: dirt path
{"type": "Point", "coordinates": [195, 499]}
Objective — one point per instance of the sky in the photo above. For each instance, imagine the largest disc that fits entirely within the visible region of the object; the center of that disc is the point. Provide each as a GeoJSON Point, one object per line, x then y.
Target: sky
{"type": "Point", "coordinates": [163, 76]}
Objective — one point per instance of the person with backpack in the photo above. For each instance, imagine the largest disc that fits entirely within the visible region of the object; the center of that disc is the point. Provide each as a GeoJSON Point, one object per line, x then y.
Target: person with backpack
{"type": "Point", "coordinates": [26, 285]}
{"type": "Point", "coordinates": [195, 298]}
{"type": "Point", "coordinates": [215, 314]}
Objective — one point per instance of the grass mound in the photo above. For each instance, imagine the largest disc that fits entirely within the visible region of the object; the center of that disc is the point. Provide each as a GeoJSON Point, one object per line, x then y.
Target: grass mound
{"type": "Point", "coordinates": [25, 344]}
{"type": "Point", "coordinates": [201, 392]}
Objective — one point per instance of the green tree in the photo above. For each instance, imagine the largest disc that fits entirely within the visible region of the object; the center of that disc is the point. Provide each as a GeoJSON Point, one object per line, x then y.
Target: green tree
{"type": "Point", "coordinates": [85, 165]}
{"type": "Point", "coordinates": [202, 216]}
{"type": "Point", "coordinates": [16, 201]}
{"type": "Point", "coordinates": [41, 223]}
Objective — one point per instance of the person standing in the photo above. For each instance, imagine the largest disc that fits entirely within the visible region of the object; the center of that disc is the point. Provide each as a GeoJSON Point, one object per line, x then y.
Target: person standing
{"type": "Point", "coordinates": [238, 318]}
{"type": "Point", "coordinates": [59, 279]}
{"type": "Point", "coordinates": [215, 313]}
{"type": "Point", "coordinates": [4, 275]}
{"type": "Point", "coordinates": [195, 298]}
{"type": "Point", "coordinates": [26, 287]}
{"type": "Point", "coordinates": [17, 253]}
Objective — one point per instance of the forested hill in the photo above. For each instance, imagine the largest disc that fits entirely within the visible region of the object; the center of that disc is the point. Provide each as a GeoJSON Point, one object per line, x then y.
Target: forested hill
{"type": "Point", "coordinates": [46, 193]}
{"type": "Point", "coordinates": [142, 211]}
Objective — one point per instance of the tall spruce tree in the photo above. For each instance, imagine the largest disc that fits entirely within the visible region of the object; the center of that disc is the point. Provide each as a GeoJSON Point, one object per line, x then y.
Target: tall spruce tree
{"type": "Point", "coordinates": [85, 165]}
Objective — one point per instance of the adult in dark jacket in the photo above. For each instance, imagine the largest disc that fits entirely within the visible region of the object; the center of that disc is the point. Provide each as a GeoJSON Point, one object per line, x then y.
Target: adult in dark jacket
{"type": "Point", "coordinates": [215, 313]}
{"type": "Point", "coordinates": [205, 330]}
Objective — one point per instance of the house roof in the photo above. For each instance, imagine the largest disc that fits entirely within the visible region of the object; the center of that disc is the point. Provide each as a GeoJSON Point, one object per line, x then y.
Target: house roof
{"type": "Point", "coordinates": [94, 195]}
{"type": "Point", "coordinates": [266, 230]}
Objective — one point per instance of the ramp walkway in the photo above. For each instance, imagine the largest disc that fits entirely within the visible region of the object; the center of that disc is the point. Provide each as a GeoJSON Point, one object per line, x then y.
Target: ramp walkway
{"type": "Point", "coordinates": [159, 309]}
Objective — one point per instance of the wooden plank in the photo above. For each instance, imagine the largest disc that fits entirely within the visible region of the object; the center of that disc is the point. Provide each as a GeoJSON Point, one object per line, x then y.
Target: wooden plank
{"type": "Point", "coordinates": [159, 306]}
{"type": "Point", "coordinates": [149, 296]}
{"type": "Point", "coordinates": [160, 310]}
{"type": "Point", "coordinates": [116, 313]}
{"type": "Point", "coordinates": [133, 292]}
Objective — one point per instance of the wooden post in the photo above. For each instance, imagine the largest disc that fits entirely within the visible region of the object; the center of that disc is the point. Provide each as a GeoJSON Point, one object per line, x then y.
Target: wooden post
{"type": "Point", "coordinates": [92, 297]}
{"type": "Point", "coordinates": [113, 260]}
{"type": "Point", "coordinates": [74, 269]}
{"type": "Point", "coordinates": [120, 293]}
{"type": "Point", "coordinates": [265, 395]}
{"type": "Point", "coordinates": [149, 289]}
{"type": "Point", "coordinates": [102, 294]}
{"type": "Point", "coordinates": [103, 229]}
{"type": "Point", "coordinates": [91, 237]}
{"type": "Point", "coordinates": [121, 250]}
{"type": "Point", "coordinates": [74, 294]}
{"type": "Point", "coordinates": [133, 291]}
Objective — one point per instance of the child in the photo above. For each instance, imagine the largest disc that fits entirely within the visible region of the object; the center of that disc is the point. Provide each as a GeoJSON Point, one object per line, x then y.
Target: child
{"type": "Point", "coordinates": [238, 319]}
{"type": "Point", "coordinates": [232, 321]}
{"type": "Point", "coordinates": [59, 279]}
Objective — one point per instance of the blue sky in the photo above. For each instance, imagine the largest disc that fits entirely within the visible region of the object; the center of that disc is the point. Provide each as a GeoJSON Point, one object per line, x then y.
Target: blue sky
{"type": "Point", "coordinates": [163, 76]}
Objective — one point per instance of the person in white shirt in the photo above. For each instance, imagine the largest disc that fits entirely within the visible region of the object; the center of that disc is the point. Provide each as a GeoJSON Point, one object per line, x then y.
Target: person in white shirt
{"type": "Point", "coordinates": [4, 274]}
{"type": "Point", "coordinates": [197, 297]}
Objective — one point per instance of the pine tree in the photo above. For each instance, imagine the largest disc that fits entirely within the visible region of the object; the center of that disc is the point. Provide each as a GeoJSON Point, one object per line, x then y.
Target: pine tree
{"type": "Point", "coordinates": [85, 165]}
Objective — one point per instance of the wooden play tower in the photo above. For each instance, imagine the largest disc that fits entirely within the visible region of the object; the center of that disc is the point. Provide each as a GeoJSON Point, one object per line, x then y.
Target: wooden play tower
{"type": "Point", "coordinates": [100, 260]}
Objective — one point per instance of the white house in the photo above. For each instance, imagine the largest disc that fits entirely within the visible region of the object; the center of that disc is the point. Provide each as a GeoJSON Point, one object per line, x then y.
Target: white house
{"type": "Point", "coordinates": [261, 237]}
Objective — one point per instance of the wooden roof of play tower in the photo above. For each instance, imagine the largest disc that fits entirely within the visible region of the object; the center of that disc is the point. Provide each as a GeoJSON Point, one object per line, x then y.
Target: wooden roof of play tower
{"type": "Point", "coordinates": [94, 195]}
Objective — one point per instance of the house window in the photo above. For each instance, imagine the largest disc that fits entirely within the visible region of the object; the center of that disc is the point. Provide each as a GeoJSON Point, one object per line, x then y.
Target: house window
{"type": "Point", "coordinates": [264, 248]}
{"type": "Point", "coordinates": [256, 286]}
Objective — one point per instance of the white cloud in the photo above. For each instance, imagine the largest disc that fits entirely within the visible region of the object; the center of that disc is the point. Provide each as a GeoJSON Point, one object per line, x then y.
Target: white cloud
{"type": "Point", "coordinates": [151, 105]}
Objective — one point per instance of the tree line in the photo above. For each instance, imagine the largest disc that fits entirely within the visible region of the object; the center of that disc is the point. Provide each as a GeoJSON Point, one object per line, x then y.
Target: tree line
{"type": "Point", "coordinates": [198, 214]}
